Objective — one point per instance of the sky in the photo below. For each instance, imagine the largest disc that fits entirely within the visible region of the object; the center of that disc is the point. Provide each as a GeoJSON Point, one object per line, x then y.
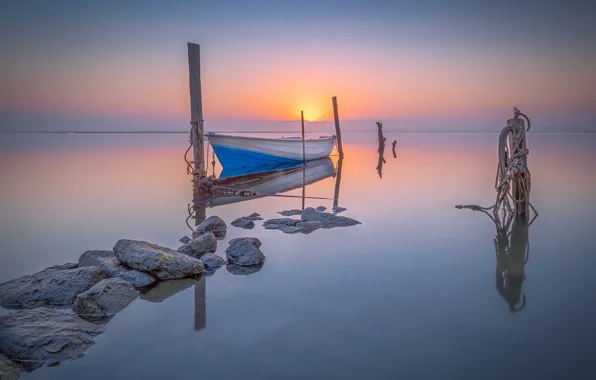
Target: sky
{"type": "Point", "coordinates": [268, 60]}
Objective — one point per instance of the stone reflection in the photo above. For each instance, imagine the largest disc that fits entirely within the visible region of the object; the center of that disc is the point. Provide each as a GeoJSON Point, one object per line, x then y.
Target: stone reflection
{"type": "Point", "coordinates": [244, 270]}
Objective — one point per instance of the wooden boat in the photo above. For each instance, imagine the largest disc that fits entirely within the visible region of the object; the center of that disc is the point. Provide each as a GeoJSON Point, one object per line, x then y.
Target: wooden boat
{"type": "Point", "coordinates": [253, 151]}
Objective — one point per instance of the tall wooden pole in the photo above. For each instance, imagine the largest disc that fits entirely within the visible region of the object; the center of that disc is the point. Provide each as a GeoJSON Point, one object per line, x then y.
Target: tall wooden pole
{"type": "Point", "coordinates": [337, 130]}
{"type": "Point", "coordinates": [303, 143]}
{"type": "Point", "coordinates": [337, 184]}
{"type": "Point", "coordinates": [196, 108]}
{"type": "Point", "coordinates": [303, 161]}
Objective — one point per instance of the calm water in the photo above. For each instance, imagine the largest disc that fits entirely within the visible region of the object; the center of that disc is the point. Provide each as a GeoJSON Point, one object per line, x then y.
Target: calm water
{"type": "Point", "coordinates": [411, 293]}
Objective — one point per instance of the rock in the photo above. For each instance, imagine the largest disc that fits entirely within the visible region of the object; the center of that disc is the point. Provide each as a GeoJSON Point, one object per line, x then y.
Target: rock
{"type": "Point", "coordinates": [327, 219]}
{"type": "Point", "coordinates": [254, 216]}
{"type": "Point", "coordinates": [184, 240]}
{"type": "Point", "coordinates": [321, 208]}
{"type": "Point", "coordinates": [308, 227]}
{"type": "Point", "coordinates": [104, 300]}
{"type": "Point", "coordinates": [8, 369]}
{"type": "Point", "coordinates": [166, 289]}
{"type": "Point", "coordinates": [252, 240]}
{"type": "Point", "coordinates": [242, 252]}
{"type": "Point", "coordinates": [290, 212]}
{"type": "Point", "coordinates": [280, 222]}
{"type": "Point", "coordinates": [213, 224]}
{"type": "Point", "coordinates": [107, 261]}
{"type": "Point", "coordinates": [244, 270]}
{"type": "Point", "coordinates": [199, 246]}
{"type": "Point", "coordinates": [56, 286]}
{"type": "Point", "coordinates": [161, 262]}
{"type": "Point", "coordinates": [338, 209]}
{"type": "Point", "coordinates": [243, 223]}
{"type": "Point", "coordinates": [213, 261]}
{"type": "Point", "coordinates": [39, 335]}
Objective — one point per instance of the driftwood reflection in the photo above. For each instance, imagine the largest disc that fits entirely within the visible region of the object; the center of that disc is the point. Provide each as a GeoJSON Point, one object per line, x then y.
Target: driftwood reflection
{"type": "Point", "coordinates": [381, 149]}
{"type": "Point", "coordinates": [393, 144]}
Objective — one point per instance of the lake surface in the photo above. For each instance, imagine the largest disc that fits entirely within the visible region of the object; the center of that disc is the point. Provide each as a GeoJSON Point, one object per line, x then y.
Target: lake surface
{"type": "Point", "coordinates": [414, 292]}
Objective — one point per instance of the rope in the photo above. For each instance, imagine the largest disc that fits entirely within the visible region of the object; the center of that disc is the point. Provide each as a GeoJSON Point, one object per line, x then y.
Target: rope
{"type": "Point", "coordinates": [512, 171]}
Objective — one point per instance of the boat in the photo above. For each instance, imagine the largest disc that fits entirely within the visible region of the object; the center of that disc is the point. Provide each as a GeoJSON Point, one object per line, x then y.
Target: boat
{"type": "Point", "coordinates": [269, 180]}
{"type": "Point", "coordinates": [234, 151]}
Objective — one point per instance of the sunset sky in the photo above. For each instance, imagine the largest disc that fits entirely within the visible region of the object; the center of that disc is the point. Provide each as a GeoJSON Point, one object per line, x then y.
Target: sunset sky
{"type": "Point", "coordinates": [270, 59]}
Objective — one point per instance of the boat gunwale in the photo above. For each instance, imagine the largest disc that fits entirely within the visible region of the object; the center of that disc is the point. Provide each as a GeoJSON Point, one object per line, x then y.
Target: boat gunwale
{"type": "Point", "coordinates": [323, 138]}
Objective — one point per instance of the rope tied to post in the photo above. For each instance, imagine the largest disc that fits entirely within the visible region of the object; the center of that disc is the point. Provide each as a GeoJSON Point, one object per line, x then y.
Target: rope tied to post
{"type": "Point", "coordinates": [513, 178]}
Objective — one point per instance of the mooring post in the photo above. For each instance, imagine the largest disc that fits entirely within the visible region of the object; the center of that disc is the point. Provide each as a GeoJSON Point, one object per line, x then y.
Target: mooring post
{"type": "Point", "coordinates": [196, 108]}
{"type": "Point", "coordinates": [337, 184]}
{"type": "Point", "coordinates": [303, 147]}
{"type": "Point", "coordinates": [520, 194]}
{"type": "Point", "coordinates": [337, 129]}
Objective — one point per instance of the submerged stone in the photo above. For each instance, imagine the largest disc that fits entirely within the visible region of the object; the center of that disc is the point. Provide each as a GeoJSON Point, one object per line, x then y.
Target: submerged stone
{"type": "Point", "coordinates": [243, 223]}
{"type": "Point", "coordinates": [321, 208]}
{"type": "Point", "coordinates": [252, 240]}
{"type": "Point", "coordinates": [104, 300]}
{"type": "Point", "coordinates": [328, 220]}
{"type": "Point", "coordinates": [57, 286]}
{"type": "Point", "coordinates": [184, 240]}
{"type": "Point", "coordinates": [242, 252]}
{"type": "Point", "coordinates": [338, 209]}
{"type": "Point", "coordinates": [290, 212]}
{"type": "Point", "coordinates": [43, 335]}
{"type": "Point", "coordinates": [199, 246]}
{"type": "Point", "coordinates": [161, 262]}
{"type": "Point", "coordinates": [213, 224]}
{"type": "Point", "coordinates": [213, 261]}
{"type": "Point", "coordinates": [108, 261]}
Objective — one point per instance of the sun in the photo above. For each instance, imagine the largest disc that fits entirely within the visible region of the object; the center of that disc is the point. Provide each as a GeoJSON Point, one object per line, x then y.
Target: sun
{"type": "Point", "coordinates": [310, 113]}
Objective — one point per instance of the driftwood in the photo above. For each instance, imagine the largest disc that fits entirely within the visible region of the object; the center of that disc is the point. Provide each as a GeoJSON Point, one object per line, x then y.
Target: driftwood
{"type": "Point", "coordinates": [393, 148]}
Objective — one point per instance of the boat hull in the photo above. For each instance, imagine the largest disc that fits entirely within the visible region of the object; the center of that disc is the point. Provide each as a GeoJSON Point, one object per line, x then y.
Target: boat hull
{"type": "Point", "coordinates": [234, 151]}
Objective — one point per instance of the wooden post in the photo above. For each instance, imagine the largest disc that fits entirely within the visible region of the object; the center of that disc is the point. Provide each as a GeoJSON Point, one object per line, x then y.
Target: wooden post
{"type": "Point", "coordinates": [381, 149]}
{"type": "Point", "coordinates": [522, 206]}
{"type": "Point", "coordinates": [303, 147]}
{"type": "Point", "coordinates": [196, 108]}
{"type": "Point", "coordinates": [337, 130]}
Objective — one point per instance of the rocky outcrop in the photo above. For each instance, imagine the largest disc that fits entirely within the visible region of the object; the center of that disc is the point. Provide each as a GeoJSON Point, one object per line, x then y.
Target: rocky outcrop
{"type": "Point", "coordinates": [8, 369]}
{"type": "Point", "coordinates": [56, 286]}
{"type": "Point", "coordinates": [43, 335]}
{"type": "Point", "coordinates": [290, 212]}
{"type": "Point", "coordinates": [308, 227]}
{"type": "Point", "coordinates": [104, 300]}
{"type": "Point", "coordinates": [199, 246]}
{"type": "Point", "coordinates": [107, 261]}
{"type": "Point", "coordinates": [244, 270]}
{"type": "Point", "coordinates": [327, 219]}
{"type": "Point", "coordinates": [292, 226]}
{"type": "Point", "coordinates": [161, 262]}
{"type": "Point", "coordinates": [252, 240]}
{"type": "Point", "coordinates": [321, 208]}
{"type": "Point", "coordinates": [242, 252]}
{"type": "Point", "coordinates": [213, 261]}
{"type": "Point", "coordinates": [213, 224]}
{"type": "Point", "coordinates": [338, 209]}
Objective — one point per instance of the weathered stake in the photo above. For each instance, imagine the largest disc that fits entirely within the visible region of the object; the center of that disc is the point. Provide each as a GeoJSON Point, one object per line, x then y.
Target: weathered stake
{"type": "Point", "coordinates": [337, 130]}
{"type": "Point", "coordinates": [303, 147]}
{"type": "Point", "coordinates": [196, 108]}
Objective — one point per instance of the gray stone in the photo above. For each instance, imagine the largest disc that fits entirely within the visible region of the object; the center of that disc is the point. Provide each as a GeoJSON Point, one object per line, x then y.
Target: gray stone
{"type": "Point", "coordinates": [166, 289]}
{"type": "Point", "coordinates": [291, 212]}
{"type": "Point", "coordinates": [252, 240]}
{"type": "Point", "coordinates": [254, 216]}
{"type": "Point", "coordinates": [243, 223]}
{"type": "Point", "coordinates": [34, 337]}
{"type": "Point", "coordinates": [242, 252]}
{"type": "Point", "coordinates": [108, 261]}
{"type": "Point", "coordinates": [327, 219]}
{"type": "Point", "coordinates": [321, 208]}
{"type": "Point", "coordinates": [56, 286]}
{"type": "Point", "coordinates": [104, 300]}
{"type": "Point", "coordinates": [184, 240]}
{"type": "Point", "coordinates": [338, 209]}
{"type": "Point", "coordinates": [281, 222]}
{"type": "Point", "coordinates": [213, 224]}
{"type": "Point", "coordinates": [308, 227]}
{"type": "Point", "coordinates": [213, 261]}
{"type": "Point", "coordinates": [161, 262]}
{"type": "Point", "coordinates": [8, 369]}
{"type": "Point", "coordinates": [244, 270]}
{"type": "Point", "coordinates": [199, 246]}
